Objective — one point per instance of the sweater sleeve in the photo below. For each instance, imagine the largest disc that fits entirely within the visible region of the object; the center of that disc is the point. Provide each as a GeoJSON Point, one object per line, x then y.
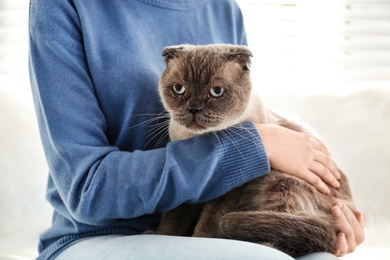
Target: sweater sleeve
{"type": "Point", "coordinates": [95, 182]}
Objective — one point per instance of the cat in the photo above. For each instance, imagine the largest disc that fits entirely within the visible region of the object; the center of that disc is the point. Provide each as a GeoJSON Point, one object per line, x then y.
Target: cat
{"type": "Point", "coordinates": [208, 88]}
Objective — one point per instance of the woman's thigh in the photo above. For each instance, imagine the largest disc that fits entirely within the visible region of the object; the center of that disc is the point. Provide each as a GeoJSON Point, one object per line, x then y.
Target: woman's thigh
{"type": "Point", "coordinates": [120, 247]}
{"type": "Point", "coordinates": [318, 256]}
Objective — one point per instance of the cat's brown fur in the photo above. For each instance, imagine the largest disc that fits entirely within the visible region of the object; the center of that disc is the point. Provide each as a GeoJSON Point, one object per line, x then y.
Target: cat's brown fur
{"type": "Point", "coordinates": [277, 209]}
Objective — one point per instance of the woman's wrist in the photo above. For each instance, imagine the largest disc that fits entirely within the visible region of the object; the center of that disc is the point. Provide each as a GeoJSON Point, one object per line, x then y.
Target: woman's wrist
{"type": "Point", "coordinates": [265, 130]}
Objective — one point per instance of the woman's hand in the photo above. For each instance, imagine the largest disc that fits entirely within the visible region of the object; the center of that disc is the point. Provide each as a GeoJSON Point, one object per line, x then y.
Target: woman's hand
{"type": "Point", "coordinates": [352, 228]}
{"type": "Point", "coordinates": [300, 155]}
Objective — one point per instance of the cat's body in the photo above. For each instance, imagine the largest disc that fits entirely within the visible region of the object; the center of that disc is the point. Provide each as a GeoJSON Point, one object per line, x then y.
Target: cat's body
{"type": "Point", "coordinates": [206, 89]}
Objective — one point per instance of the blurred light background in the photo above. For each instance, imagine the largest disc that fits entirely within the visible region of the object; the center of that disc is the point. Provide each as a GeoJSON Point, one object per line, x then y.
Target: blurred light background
{"type": "Point", "coordinates": [306, 46]}
{"type": "Point", "coordinates": [299, 46]}
{"type": "Point", "coordinates": [14, 48]}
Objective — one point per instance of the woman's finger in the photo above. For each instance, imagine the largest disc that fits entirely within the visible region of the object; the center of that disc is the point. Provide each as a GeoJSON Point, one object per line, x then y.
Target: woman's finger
{"type": "Point", "coordinates": [324, 173]}
{"type": "Point", "coordinates": [358, 229]}
{"type": "Point", "coordinates": [344, 226]}
{"type": "Point", "coordinates": [346, 231]}
{"type": "Point", "coordinates": [314, 180]}
{"type": "Point", "coordinates": [361, 217]}
{"type": "Point", "coordinates": [318, 145]}
{"type": "Point", "coordinates": [322, 155]}
{"type": "Point", "coordinates": [342, 246]}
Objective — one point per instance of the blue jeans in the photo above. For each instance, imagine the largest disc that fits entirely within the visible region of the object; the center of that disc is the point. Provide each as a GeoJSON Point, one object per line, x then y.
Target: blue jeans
{"type": "Point", "coordinates": [158, 247]}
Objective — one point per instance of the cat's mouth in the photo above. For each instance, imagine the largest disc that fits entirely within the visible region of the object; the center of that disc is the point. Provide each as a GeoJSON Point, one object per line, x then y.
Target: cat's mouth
{"type": "Point", "coordinates": [199, 123]}
{"type": "Point", "coordinates": [195, 126]}
{"type": "Point", "coordinates": [196, 123]}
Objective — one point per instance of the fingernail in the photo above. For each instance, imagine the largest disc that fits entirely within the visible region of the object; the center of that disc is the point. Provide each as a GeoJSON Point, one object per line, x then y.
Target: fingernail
{"type": "Point", "coordinates": [362, 219]}
{"type": "Point", "coordinates": [337, 184]}
{"type": "Point", "coordinates": [338, 175]}
{"type": "Point", "coordinates": [326, 190]}
{"type": "Point", "coordinates": [339, 204]}
{"type": "Point", "coordinates": [336, 211]}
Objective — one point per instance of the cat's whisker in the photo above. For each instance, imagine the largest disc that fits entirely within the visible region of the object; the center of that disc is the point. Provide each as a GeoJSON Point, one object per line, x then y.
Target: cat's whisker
{"type": "Point", "coordinates": [253, 140]}
{"type": "Point", "coordinates": [153, 128]}
{"type": "Point", "coordinates": [162, 115]}
{"type": "Point", "coordinates": [232, 141]}
{"type": "Point", "coordinates": [236, 126]}
{"type": "Point", "coordinates": [153, 114]}
{"type": "Point", "coordinates": [216, 136]}
{"type": "Point", "coordinates": [156, 132]}
{"type": "Point", "coordinates": [243, 128]}
{"type": "Point", "coordinates": [158, 129]}
{"type": "Point", "coordinates": [161, 139]}
{"type": "Point", "coordinates": [149, 121]}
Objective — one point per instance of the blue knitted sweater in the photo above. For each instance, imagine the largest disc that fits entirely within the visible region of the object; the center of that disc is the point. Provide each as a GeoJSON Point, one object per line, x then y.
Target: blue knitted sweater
{"type": "Point", "coordinates": [94, 68]}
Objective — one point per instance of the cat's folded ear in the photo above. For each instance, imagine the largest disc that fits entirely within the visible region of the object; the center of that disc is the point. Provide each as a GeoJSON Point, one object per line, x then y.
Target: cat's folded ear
{"type": "Point", "coordinates": [241, 55]}
{"type": "Point", "coordinates": [172, 52]}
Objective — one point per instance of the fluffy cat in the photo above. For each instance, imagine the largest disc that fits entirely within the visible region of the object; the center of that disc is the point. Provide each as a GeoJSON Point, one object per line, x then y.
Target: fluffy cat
{"type": "Point", "coordinates": [206, 89]}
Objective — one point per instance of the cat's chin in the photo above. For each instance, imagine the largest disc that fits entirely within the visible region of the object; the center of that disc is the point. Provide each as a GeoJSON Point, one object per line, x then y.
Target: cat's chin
{"type": "Point", "coordinates": [180, 131]}
{"type": "Point", "coordinates": [196, 128]}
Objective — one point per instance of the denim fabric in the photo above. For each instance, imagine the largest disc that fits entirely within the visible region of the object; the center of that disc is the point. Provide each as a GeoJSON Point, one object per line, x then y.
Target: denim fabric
{"type": "Point", "coordinates": [120, 247]}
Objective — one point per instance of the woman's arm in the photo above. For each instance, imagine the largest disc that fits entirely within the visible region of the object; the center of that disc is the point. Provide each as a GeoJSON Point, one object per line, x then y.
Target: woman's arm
{"type": "Point", "coordinates": [91, 178]}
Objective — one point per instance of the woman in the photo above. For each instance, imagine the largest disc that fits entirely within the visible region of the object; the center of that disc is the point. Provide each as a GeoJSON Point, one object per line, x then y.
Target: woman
{"type": "Point", "coordinates": [94, 68]}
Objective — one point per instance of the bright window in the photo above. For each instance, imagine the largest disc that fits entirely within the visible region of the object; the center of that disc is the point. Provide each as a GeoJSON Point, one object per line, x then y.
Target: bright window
{"type": "Point", "coordinates": [318, 46]}
{"type": "Point", "coordinates": [302, 46]}
{"type": "Point", "coordinates": [14, 48]}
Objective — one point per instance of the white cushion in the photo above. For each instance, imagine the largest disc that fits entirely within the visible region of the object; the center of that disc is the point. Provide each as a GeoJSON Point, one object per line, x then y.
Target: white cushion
{"type": "Point", "coordinates": [23, 177]}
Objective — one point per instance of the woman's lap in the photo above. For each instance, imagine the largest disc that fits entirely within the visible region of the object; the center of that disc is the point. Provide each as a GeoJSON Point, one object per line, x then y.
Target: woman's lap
{"type": "Point", "coordinates": [120, 247]}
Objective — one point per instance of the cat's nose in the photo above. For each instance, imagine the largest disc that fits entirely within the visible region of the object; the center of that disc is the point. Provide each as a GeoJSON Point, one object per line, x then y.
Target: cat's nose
{"type": "Point", "coordinates": [194, 110]}
{"type": "Point", "coordinates": [194, 106]}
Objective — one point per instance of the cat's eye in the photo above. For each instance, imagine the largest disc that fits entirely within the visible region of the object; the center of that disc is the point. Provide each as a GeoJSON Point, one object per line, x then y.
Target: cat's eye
{"type": "Point", "coordinates": [217, 91]}
{"type": "Point", "coordinates": [178, 89]}
{"type": "Point", "coordinates": [247, 67]}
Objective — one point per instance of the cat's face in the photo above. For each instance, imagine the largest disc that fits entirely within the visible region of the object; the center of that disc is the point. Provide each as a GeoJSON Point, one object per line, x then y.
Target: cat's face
{"type": "Point", "coordinates": [206, 88]}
